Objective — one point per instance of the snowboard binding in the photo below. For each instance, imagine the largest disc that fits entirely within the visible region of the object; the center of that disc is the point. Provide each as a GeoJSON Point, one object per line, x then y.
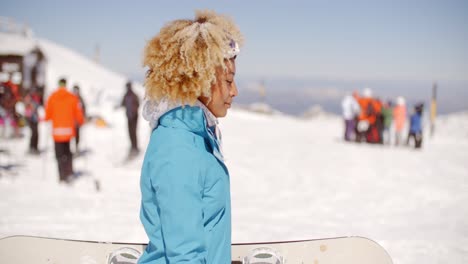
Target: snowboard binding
{"type": "Point", "coordinates": [263, 255]}
{"type": "Point", "coordinates": [125, 255]}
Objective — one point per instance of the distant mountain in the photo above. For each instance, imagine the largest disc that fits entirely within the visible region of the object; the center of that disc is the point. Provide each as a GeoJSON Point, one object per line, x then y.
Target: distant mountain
{"type": "Point", "coordinates": [296, 96]}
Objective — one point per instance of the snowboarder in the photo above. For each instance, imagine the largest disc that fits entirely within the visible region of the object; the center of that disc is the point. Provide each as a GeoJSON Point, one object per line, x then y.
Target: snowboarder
{"type": "Point", "coordinates": [64, 110]}
{"type": "Point", "coordinates": [131, 103]}
{"type": "Point", "coordinates": [415, 130]}
{"type": "Point", "coordinates": [184, 180]}
{"type": "Point", "coordinates": [351, 110]}
{"type": "Point", "coordinates": [76, 91]}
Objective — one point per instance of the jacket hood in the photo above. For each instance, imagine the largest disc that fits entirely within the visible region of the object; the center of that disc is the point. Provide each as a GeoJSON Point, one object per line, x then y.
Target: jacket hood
{"type": "Point", "coordinates": [154, 110]}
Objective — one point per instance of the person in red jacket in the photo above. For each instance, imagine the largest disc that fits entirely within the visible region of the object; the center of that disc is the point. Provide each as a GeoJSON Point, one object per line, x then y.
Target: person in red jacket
{"type": "Point", "coordinates": [64, 110]}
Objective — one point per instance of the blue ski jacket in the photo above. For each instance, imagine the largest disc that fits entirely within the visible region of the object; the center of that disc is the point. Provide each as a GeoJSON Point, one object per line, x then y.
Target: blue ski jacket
{"type": "Point", "coordinates": [415, 123]}
{"type": "Point", "coordinates": [185, 189]}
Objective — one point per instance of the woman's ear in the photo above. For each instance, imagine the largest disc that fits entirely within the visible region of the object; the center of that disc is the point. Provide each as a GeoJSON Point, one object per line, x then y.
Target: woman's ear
{"type": "Point", "coordinates": [205, 100]}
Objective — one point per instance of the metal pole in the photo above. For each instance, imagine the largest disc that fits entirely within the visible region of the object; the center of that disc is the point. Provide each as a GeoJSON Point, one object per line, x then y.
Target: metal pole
{"type": "Point", "coordinates": [262, 91]}
{"type": "Point", "coordinates": [433, 108]}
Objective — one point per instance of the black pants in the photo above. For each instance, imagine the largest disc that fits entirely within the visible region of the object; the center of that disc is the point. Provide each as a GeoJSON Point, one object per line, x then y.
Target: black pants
{"type": "Point", "coordinates": [34, 140]}
{"type": "Point", "coordinates": [417, 139]}
{"type": "Point", "coordinates": [64, 160]}
{"type": "Point", "coordinates": [132, 126]}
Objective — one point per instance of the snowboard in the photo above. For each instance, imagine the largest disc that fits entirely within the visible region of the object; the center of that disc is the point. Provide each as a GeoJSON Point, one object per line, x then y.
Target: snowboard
{"type": "Point", "coordinates": [39, 250]}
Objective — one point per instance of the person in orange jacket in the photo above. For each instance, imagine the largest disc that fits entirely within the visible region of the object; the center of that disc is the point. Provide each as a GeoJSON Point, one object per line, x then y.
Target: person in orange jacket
{"type": "Point", "coordinates": [370, 109]}
{"type": "Point", "coordinates": [64, 110]}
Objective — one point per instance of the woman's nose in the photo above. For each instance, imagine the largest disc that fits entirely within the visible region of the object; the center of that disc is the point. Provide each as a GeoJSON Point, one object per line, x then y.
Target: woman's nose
{"type": "Point", "coordinates": [234, 91]}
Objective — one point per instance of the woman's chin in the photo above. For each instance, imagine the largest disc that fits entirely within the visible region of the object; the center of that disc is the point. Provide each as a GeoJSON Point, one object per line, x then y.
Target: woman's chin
{"type": "Point", "coordinates": [221, 113]}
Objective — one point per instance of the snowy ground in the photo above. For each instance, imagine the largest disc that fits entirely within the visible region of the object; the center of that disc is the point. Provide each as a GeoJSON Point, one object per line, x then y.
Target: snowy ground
{"type": "Point", "coordinates": [291, 179]}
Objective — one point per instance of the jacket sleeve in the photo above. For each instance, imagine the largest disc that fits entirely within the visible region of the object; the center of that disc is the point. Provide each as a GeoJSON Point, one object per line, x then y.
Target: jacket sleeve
{"type": "Point", "coordinates": [178, 185]}
{"type": "Point", "coordinates": [356, 108]}
{"type": "Point", "coordinates": [48, 109]}
{"type": "Point", "coordinates": [137, 101]}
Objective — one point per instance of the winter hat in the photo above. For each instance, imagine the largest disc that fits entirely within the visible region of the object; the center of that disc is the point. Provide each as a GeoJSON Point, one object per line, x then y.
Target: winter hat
{"type": "Point", "coordinates": [367, 93]}
{"type": "Point", "coordinates": [400, 100]}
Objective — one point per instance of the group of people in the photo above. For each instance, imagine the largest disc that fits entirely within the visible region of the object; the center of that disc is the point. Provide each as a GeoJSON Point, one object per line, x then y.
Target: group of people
{"type": "Point", "coordinates": [67, 112]}
{"type": "Point", "coordinates": [368, 119]}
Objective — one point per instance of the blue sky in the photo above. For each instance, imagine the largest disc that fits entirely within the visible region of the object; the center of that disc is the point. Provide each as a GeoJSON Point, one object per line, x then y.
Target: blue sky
{"type": "Point", "coordinates": [336, 40]}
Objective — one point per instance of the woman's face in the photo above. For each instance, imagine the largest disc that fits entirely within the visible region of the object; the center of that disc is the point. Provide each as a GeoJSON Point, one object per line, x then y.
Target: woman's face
{"type": "Point", "coordinates": [223, 90]}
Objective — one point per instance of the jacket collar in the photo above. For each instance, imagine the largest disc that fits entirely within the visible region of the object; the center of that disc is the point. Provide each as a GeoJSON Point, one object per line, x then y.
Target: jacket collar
{"type": "Point", "coordinates": [197, 119]}
{"type": "Point", "coordinates": [194, 119]}
{"type": "Point", "coordinates": [62, 89]}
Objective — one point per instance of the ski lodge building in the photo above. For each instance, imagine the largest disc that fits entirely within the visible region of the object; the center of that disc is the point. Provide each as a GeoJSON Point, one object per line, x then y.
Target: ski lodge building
{"type": "Point", "coordinates": [21, 60]}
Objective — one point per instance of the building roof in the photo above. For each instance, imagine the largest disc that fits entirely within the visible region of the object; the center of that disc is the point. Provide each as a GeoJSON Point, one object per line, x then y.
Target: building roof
{"type": "Point", "coordinates": [15, 44]}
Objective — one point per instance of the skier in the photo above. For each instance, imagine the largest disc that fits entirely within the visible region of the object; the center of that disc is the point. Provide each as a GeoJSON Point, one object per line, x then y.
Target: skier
{"type": "Point", "coordinates": [63, 109]}
{"type": "Point", "coordinates": [76, 91]}
{"type": "Point", "coordinates": [351, 110]}
{"type": "Point", "coordinates": [399, 116]}
{"type": "Point", "coordinates": [186, 209]}
{"type": "Point", "coordinates": [387, 115]}
{"type": "Point", "coordinates": [131, 103]}
{"type": "Point", "coordinates": [379, 122]}
{"type": "Point", "coordinates": [32, 117]}
{"type": "Point", "coordinates": [415, 130]}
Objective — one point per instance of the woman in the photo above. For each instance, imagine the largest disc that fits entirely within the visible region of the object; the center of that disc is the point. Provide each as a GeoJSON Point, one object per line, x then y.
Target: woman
{"type": "Point", "coordinates": [185, 207]}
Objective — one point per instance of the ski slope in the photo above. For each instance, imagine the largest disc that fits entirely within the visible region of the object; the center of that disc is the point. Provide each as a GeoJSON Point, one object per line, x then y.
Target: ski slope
{"type": "Point", "coordinates": [290, 179]}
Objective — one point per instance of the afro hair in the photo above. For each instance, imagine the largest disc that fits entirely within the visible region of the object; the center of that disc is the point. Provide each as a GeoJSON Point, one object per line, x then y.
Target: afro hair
{"type": "Point", "coordinates": [182, 59]}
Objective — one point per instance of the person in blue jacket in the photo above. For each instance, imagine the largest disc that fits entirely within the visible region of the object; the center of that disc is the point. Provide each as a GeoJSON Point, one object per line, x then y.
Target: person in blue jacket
{"type": "Point", "coordinates": [185, 187]}
{"type": "Point", "coordinates": [415, 130]}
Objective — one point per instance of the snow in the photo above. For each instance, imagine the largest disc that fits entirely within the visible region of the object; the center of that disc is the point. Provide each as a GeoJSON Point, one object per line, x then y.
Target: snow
{"type": "Point", "coordinates": [14, 44]}
{"type": "Point", "coordinates": [291, 179]}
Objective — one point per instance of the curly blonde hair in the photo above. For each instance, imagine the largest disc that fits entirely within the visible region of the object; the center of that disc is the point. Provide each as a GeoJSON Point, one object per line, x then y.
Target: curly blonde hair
{"type": "Point", "coordinates": [182, 59]}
